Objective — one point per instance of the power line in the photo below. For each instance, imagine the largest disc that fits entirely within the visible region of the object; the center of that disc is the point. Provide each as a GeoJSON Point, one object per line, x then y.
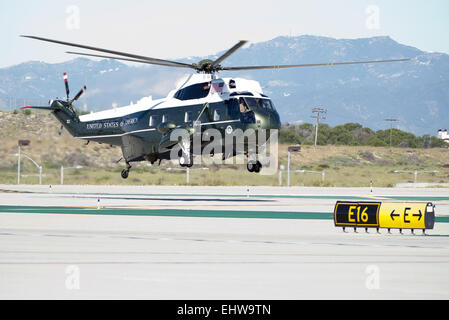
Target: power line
{"type": "Point", "coordinates": [318, 118]}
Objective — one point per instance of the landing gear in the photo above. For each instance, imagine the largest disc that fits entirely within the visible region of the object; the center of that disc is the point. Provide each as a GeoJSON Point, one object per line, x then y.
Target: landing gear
{"type": "Point", "coordinates": [258, 167]}
{"type": "Point", "coordinates": [254, 166]}
{"type": "Point", "coordinates": [125, 172]}
{"type": "Point", "coordinates": [185, 156]}
{"type": "Point", "coordinates": [186, 160]}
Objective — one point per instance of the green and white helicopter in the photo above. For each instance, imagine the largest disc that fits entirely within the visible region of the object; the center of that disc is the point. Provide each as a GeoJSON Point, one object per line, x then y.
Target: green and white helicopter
{"type": "Point", "coordinates": [203, 101]}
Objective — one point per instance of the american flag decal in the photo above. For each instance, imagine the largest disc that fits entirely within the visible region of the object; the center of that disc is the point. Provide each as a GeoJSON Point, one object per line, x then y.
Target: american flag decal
{"type": "Point", "coordinates": [217, 87]}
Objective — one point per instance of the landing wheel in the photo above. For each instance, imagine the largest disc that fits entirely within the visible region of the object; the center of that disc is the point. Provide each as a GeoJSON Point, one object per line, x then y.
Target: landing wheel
{"type": "Point", "coordinates": [186, 160]}
{"type": "Point", "coordinates": [125, 173]}
{"type": "Point", "coordinates": [258, 167]}
{"type": "Point", "coordinates": [254, 166]}
{"type": "Point", "coordinates": [251, 166]}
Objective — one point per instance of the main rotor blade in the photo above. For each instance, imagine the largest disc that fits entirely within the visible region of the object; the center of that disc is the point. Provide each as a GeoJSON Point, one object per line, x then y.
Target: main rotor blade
{"type": "Point", "coordinates": [148, 59]}
{"type": "Point", "coordinates": [116, 58]}
{"type": "Point", "coordinates": [310, 65]}
{"type": "Point", "coordinates": [229, 52]}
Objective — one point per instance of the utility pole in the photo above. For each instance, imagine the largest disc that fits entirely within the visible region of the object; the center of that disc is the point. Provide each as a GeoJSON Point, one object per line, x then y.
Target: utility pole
{"type": "Point", "coordinates": [391, 130]}
{"type": "Point", "coordinates": [21, 143]}
{"type": "Point", "coordinates": [318, 118]}
{"type": "Point", "coordinates": [289, 150]}
{"type": "Point", "coordinates": [18, 166]}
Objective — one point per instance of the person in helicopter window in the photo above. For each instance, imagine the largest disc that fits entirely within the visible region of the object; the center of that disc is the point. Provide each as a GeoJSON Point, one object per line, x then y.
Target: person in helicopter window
{"type": "Point", "coordinates": [206, 86]}
{"type": "Point", "coordinates": [243, 106]}
{"type": "Point", "coordinates": [245, 116]}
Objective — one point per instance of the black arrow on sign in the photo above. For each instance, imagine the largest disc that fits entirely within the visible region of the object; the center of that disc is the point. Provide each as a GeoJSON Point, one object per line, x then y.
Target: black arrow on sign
{"type": "Point", "coordinates": [392, 215]}
{"type": "Point", "coordinates": [418, 215]}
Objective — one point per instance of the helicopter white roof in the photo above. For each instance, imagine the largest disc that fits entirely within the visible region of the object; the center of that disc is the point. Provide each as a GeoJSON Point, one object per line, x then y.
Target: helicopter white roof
{"type": "Point", "coordinates": [143, 104]}
{"type": "Point", "coordinates": [147, 103]}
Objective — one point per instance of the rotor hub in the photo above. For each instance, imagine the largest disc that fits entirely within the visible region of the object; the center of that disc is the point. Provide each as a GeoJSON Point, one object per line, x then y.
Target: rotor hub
{"type": "Point", "coordinates": [207, 66]}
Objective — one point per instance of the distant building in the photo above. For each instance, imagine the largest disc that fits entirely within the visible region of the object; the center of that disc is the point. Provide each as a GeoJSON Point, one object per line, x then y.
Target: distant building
{"type": "Point", "coordinates": [442, 134]}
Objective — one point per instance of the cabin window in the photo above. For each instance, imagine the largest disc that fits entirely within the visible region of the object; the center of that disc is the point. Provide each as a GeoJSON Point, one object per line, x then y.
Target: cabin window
{"type": "Point", "coordinates": [195, 91]}
{"type": "Point", "coordinates": [154, 120]}
{"type": "Point", "coordinates": [188, 116]}
{"type": "Point", "coordinates": [217, 115]}
{"type": "Point", "coordinates": [233, 109]}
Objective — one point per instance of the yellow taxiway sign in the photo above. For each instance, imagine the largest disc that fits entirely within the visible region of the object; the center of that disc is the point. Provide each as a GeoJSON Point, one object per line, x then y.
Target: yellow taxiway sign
{"type": "Point", "coordinates": [390, 215]}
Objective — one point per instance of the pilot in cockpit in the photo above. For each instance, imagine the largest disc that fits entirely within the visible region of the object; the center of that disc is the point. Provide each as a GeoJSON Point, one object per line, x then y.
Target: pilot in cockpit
{"type": "Point", "coordinates": [243, 106]}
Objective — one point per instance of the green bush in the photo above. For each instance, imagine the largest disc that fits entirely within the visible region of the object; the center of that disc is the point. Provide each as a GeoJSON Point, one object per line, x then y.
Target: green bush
{"type": "Point", "coordinates": [376, 142]}
{"type": "Point", "coordinates": [354, 134]}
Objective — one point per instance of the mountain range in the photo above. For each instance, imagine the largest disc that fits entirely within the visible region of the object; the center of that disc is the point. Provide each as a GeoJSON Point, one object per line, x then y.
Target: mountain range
{"type": "Point", "coordinates": [415, 92]}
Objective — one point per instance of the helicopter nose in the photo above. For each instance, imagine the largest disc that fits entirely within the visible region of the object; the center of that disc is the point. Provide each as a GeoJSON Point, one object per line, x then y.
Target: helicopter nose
{"type": "Point", "coordinates": [275, 120]}
{"type": "Point", "coordinates": [267, 121]}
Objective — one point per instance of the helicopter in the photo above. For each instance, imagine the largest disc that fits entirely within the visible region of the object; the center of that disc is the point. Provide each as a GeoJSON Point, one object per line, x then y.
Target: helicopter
{"type": "Point", "coordinates": [203, 101]}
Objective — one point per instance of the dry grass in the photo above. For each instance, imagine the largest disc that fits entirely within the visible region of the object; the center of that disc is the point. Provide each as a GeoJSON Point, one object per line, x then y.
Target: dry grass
{"type": "Point", "coordinates": [344, 166]}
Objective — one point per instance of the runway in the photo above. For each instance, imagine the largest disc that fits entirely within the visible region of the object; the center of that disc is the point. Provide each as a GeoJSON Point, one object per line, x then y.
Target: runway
{"type": "Point", "coordinates": [106, 242]}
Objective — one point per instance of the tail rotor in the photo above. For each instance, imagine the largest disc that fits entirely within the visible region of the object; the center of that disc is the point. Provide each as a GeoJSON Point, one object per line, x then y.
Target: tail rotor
{"type": "Point", "coordinates": [80, 93]}
{"type": "Point", "coordinates": [70, 101]}
{"type": "Point", "coordinates": [67, 90]}
{"type": "Point", "coordinates": [61, 105]}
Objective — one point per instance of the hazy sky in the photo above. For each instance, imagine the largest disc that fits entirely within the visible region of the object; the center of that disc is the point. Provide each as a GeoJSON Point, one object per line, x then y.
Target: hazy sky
{"type": "Point", "coordinates": [179, 28]}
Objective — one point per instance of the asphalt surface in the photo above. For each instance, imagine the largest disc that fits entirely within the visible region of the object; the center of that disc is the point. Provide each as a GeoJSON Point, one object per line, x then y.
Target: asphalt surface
{"type": "Point", "coordinates": [91, 242]}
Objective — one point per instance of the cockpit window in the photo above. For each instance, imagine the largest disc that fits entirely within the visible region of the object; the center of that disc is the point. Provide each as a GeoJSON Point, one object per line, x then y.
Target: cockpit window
{"type": "Point", "coordinates": [243, 105]}
{"type": "Point", "coordinates": [257, 103]}
{"type": "Point", "coordinates": [265, 104]}
{"type": "Point", "coordinates": [195, 91]}
{"type": "Point", "coordinates": [252, 103]}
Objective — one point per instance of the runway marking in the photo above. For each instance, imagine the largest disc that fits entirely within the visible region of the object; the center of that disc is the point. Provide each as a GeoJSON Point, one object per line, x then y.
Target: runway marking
{"type": "Point", "coordinates": [171, 212]}
{"type": "Point", "coordinates": [312, 255]}
{"type": "Point", "coordinates": [13, 191]}
{"type": "Point", "coordinates": [243, 195]}
{"type": "Point", "coordinates": [161, 206]}
{"type": "Point", "coordinates": [175, 199]}
{"type": "Point", "coordinates": [179, 213]}
{"type": "Point", "coordinates": [378, 198]}
{"type": "Point", "coordinates": [218, 262]}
